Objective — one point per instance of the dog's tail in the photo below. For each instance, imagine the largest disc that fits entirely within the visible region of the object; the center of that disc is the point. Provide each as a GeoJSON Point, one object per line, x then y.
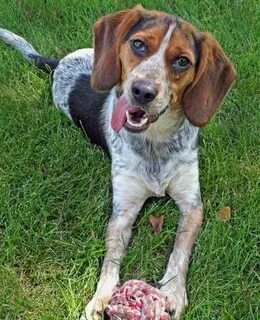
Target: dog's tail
{"type": "Point", "coordinates": [28, 51]}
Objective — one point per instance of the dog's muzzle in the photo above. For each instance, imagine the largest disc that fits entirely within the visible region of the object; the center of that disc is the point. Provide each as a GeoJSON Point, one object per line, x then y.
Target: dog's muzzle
{"type": "Point", "coordinates": [132, 118]}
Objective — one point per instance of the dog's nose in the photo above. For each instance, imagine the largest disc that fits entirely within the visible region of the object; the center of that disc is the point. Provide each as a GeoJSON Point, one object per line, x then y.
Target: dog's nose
{"type": "Point", "coordinates": [144, 91]}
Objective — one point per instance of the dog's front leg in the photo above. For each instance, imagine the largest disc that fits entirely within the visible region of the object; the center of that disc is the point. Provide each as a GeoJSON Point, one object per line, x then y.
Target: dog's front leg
{"type": "Point", "coordinates": [185, 190]}
{"type": "Point", "coordinates": [129, 194]}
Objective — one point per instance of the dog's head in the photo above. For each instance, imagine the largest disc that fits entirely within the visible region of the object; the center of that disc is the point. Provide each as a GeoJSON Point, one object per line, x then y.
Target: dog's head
{"type": "Point", "coordinates": [159, 61]}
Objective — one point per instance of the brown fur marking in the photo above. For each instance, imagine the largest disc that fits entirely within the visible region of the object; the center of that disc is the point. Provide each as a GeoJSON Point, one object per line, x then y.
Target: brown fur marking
{"type": "Point", "coordinates": [213, 79]}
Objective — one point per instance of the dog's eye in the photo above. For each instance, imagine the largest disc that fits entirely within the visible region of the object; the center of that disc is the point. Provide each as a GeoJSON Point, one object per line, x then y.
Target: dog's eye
{"type": "Point", "coordinates": [181, 64]}
{"type": "Point", "coordinates": [139, 47]}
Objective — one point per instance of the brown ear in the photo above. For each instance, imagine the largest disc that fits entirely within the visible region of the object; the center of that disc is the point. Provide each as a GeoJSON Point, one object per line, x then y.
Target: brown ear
{"type": "Point", "coordinates": [109, 33]}
{"type": "Point", "coordinates": [214, 77]}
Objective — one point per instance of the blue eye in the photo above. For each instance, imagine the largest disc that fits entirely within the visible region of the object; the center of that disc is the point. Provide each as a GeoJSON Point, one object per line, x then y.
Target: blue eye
{"type": "Point", "coordinates": [181, 64]}
{"type": "Point", "coordinates": [139, 47]}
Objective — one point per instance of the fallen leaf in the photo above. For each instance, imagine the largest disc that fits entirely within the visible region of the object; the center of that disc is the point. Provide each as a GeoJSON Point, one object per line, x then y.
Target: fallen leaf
{"type": "Point", "coordinates": [224, 214]}
{"type": "Point", "coordinates": [156, 222]}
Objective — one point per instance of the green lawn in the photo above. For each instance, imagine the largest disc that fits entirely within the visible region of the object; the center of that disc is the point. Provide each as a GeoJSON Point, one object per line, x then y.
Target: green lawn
{"type": "Point", "coordinates": [55, 192]}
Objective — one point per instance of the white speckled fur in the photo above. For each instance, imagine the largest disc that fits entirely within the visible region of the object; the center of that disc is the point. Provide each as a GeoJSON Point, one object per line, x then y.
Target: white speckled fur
{"type": "Point", "coordinates": [66, 75]}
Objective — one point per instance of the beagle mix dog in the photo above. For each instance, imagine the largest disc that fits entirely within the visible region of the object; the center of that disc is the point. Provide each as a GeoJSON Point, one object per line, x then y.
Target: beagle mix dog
{"type": "Point", "coordinates": [142, 94]}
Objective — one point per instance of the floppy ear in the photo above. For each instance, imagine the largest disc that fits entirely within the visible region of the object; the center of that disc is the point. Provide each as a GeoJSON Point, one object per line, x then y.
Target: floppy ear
{"type": "Point", "coordinates": [109, 33]}
{"type": "Point", "coordinates": [214, 77]}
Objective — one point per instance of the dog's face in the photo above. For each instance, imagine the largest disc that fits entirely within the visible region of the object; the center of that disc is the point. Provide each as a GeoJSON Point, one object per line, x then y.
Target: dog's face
{"type": "Point", "coordinates": [159, 62]}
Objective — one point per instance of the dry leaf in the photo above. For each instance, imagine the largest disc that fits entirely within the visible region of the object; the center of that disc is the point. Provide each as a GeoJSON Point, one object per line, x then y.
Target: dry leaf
{"type": "Point", "coordinates": [156, 222]}
{"type": "Point", "coordinates": [224, 214]}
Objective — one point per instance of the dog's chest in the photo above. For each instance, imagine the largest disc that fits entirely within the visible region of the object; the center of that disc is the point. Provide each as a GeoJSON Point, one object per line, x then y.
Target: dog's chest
{"type": "Point", "coordinates": [153, 171]}
{"type": "Point", "coordinates": [158, 179]}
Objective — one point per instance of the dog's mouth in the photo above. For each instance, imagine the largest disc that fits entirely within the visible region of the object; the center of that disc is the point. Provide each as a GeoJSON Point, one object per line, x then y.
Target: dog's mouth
{"type": "Point", "coordinates": [132, 118]}
{"type": "Point", "coordinates": [137, 120]}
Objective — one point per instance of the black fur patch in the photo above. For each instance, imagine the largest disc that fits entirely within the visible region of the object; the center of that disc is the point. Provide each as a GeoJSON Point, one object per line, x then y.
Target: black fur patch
{"type": "Point", "coordinates": [46, 64]}
{"type": "Point", "coordinates": [85, 108]}
{"type": "Point", "coordinates": [196, 49]}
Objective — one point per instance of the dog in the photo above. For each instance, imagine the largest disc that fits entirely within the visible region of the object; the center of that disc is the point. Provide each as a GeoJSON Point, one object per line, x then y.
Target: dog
{"type": "Point", "coordinates": [142, 94]}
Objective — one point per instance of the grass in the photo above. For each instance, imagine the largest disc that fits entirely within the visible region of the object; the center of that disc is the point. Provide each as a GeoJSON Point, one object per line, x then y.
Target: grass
{"type": "Point", "coordinates": [55, 193]}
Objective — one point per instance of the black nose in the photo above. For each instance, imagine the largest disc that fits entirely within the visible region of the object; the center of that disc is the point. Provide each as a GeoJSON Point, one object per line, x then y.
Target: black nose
{"type": "Point", "coordinates": [144, 91]}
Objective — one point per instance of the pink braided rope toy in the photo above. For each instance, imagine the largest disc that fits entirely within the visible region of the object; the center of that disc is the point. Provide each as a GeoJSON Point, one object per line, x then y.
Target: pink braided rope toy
{"type": "Point", "coordinates": [137, 300]}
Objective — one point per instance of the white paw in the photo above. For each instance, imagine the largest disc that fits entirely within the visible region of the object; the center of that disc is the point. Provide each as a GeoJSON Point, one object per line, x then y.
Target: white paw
{"type": "Point", "coordinates": [177, 299]}
{"type": "Point", "coordinates": [95, 308]}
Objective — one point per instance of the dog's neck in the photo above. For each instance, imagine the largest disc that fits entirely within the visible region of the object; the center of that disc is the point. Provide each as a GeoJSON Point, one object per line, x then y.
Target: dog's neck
{"type": "Point", "coordinates": [159, 145]}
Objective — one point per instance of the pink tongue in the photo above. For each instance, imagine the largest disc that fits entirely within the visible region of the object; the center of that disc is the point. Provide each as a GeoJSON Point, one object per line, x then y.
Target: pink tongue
{"type": "Point", "coordinates": [119, 114]}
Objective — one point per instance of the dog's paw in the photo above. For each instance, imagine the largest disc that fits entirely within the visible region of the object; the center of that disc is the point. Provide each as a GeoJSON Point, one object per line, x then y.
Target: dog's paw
{"type": "Point", "coordinates": [177, 299]}
{"type": "Point", "coordinates": [95, 308]}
